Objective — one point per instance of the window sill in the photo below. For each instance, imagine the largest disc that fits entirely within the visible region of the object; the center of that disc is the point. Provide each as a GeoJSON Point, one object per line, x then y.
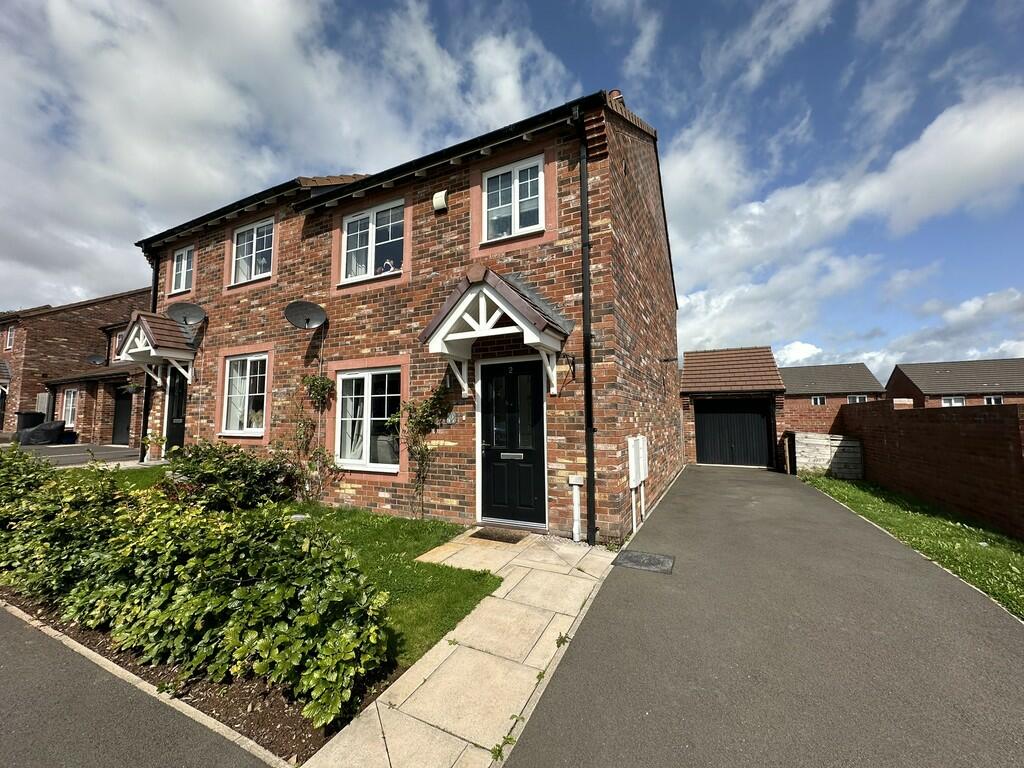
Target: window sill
{"type": "Point", "coordinates": [255, 435]}
{"type": "Point", "coordinates": [375, 468]}
{"type": "Point", "coordinates": [180, 290]}
{"type": "Point", "coordinates": [369, 278]}
{"type": "Point", "coordinates": [522, 234]}
{"type": "Point", "coordinates": [250, 281]}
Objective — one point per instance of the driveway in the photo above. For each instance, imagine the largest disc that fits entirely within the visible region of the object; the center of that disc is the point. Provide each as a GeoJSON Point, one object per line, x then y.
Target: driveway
{"type": "Point", "coordinates": [77, 454]}
{"type": "Point", "coordinates": [791, 633]}
{"type": "Point", "coordinates": [59, 709]}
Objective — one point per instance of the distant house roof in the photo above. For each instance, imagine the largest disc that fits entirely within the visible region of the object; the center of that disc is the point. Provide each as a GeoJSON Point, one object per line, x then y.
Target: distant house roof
{"type": "Point", "coordinates": [743, 369]}
{"type": "Point", "coordinates": [960, 377]}
{"type": "Point", "coordinates": [841, 379]}
{"type": "Point", "coordinates": [45, 309]}
{"type": "Point", "coordinates": [97, 373]}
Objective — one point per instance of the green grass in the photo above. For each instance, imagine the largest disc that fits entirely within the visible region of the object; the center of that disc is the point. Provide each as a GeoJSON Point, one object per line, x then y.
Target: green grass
{"type": "Point", "coordinates": [990, 561]}
{"type": "Point", "coordinates": [143, 477]}
{"type": "Point", "coordinates": [427, 600]}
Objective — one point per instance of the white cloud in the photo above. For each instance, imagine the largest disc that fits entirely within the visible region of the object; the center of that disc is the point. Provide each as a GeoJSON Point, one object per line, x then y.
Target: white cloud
{"type": "Point", "coordinates": [646, 22]}
{"type": "Point", "coordinates": [902, 280]}
{"type": "Point", "coordinates": [120, 120]}
{"type": "Point", "coordinates": [875, 17]}
{"type": "Point", "coordinates": [776, 28]}
{"type": "Point", "coordinates": [882, 103]}
{"type": "Point", "coordinates": [797, 353]}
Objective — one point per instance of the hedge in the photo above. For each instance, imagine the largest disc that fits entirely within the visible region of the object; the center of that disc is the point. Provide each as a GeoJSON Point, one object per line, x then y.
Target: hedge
{"type": "Point", "coordinates": [221, 592]}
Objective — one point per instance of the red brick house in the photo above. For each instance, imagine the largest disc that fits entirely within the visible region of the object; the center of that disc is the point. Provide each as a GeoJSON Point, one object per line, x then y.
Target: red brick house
{"type": "Point", "coordinates": [814, 394]}
{"type": "Point", "coordinates": [732, 407]}
{"type": "Point", "coordinates": [959, 383]}
{"type": "Point", "coordinates": [65, 352]}
{"type": "Point", "coordinates": [527, 268]}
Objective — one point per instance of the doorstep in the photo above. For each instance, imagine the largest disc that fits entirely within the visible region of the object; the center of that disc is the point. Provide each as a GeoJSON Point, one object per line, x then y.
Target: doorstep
{"type": "Point", "coordinates": [465, 695]}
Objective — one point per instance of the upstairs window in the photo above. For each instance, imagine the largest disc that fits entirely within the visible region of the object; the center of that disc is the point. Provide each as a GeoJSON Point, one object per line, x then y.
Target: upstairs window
{"type": "Point", "coordinates": [117, 342]}
{"type": "Point", "coordinates": [514, 199]}
{"type": "Point", "coordinates": [254, 248]}
{"type": "Point", "coordinates": [374, 242]}
{"type": "Point", "coordinates": [366, 400]}
{"type": "Point", "coordinates": [993, 399]}
{"type": "Point", "coordinates": [245, 395]}
{"type": "Point", "coordinates": [181, 271]}
{"type": "Point", "coordinates": [9, 338]}
{"type": "Point", "coordinates": [817, 399]}
{"type": "Point", "coordinates": [953, 402]}
{"type": "Point", "coordinates": [856, 398]}
{"type": "Point", "coordinates": [70, 410]}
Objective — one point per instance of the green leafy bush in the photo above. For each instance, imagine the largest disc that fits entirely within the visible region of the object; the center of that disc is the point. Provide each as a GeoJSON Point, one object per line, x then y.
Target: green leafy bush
{"type": "Point", "coordinates": [220, 592]}
{"type": "Point", "coordinates": [222, 476]}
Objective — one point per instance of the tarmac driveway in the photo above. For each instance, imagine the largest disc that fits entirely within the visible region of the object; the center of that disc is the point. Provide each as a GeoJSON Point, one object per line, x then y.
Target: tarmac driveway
{"type": "Point", "coordinates": [82, 453]}
{"type": "Point", "coordinates": [790, 633]}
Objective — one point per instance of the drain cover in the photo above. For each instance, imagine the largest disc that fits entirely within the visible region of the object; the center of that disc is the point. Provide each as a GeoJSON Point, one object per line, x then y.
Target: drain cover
{"type": "Point", "coordinates": [644, 561]}
{"type": "Point", "coordinates": [499, 534]}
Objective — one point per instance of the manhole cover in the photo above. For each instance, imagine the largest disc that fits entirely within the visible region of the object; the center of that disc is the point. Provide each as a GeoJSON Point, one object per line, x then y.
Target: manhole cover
{"type": "Point", "coordinates": [505, 535]}
{"type": "Point", "coordinates": [644, 561]}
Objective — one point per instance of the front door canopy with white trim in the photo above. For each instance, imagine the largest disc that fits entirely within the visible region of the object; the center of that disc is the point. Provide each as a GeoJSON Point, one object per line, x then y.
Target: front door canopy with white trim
{"type": "Point", "coordinates": [153, 340]}
{"type": "Point", "coordinates": [486, 305]}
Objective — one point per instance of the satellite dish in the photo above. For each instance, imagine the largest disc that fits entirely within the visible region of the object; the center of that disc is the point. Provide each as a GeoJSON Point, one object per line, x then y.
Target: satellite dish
{"type": "Point", "coordinates": [96, 359]}
{"type": "Point", "coordinates": [305, 315]}
{"type": "Point", "coordinates": [185, 313]}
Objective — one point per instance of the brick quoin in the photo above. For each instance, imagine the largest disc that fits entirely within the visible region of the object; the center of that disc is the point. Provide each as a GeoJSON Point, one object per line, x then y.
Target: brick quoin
{"type": "Point", "coordinates": [633, 302]}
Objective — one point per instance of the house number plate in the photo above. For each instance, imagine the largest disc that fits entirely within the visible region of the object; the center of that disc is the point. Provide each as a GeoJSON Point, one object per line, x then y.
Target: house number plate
{"type": "Point", "coordinates": [512, 456]}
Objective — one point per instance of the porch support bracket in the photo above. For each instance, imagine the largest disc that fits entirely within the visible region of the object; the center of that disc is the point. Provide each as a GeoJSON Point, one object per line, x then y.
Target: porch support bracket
{"type": "Point", "coordinates": [550, 362]}
{"type": "Point", "coordinates": [460, 369]}
{"type": "Point", "coordinates": [186, 372]}
{"type": "Point", "coordinates": [151, 371]}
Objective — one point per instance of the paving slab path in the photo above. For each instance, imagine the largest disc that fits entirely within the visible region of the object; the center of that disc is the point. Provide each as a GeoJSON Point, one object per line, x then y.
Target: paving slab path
{"type": "Point", "coordinates": [57, 709]}
{"type": "Point", "coordinates": [790, 633]}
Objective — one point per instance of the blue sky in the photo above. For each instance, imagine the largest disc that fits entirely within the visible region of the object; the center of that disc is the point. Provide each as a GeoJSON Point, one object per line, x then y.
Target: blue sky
{"type": "Point", "coordinates": [843, 179]}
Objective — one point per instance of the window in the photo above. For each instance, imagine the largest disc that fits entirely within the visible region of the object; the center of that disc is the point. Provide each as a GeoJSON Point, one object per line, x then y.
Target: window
{"type": "Point", "coordinates": [70, 410]}
{"type": "Point", "coordinates": [374, 241]}
{"type": "Point", "coordinates": [9, 339]}
{"type": "Point", "coordinates": [993, 399]}
{"type": "Point", "coordinates": [514, 199]}
{"type": "Point", "coordinates": [254, 246]}
{"type": "Point", "coordinates": [953, 402]}
{"type": "Point", "coordinates": [181, 272]}
{"type": "Point", "coordinates": [856, 398]}
{"type": "Point", "coordinates": [245, 395]}
{"type": "Point", "coordinates": [366, 399]}
{"type": "Point", "coordinates": [118, 339]}
{"type": "Point", "coordinates": [817, 399]}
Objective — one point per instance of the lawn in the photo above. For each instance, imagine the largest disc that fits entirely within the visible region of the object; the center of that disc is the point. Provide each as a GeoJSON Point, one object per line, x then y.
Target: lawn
{"type": "Point", "coordinates": [427, 600]}
{"type": "Point", "coordinates": [992, 562]}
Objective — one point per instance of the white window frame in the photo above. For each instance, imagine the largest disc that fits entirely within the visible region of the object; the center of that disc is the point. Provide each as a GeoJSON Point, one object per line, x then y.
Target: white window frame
{"type": "Point", "coordinates": [853, 399]}
{"type": "Point", "coordinates": [950, 401]}
{"type": "Point", "coordinates": [251, 431]}
{"type": "Point", "coordinates": [818, 400]}
{"type": "Point", "coordinates": [993, 399]}
{"type": "Point", "coordinates": [372, 245]}
{"type": "Point", "coordinates": [234, 250]}
{"type": "Point", "coordinates": [363, 465]}
{"type": "Point", "coordinates": [69, 419]}
{"type": "Point", "coordinates": [189, 253]}
{"type": "Point", "coordinates": [538, 161]}
{"type": "Point", "coordinates": [118, 339]}
{"type": "Point", "coordinates": [9, 338]}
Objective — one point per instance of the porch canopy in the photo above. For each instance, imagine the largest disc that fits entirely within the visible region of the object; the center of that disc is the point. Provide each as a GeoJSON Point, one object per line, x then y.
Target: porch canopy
{"type": "Point", "coordinates": [485, 304]}
{"type": "Point", "coordinates": [153, 340]}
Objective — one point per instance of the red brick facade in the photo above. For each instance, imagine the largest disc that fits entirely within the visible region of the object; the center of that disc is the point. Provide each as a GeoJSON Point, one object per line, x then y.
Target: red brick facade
{"type": "Point", "coordinates": [54, 341]}
{"type": "Point", "coordinates": [970, 460]}
{"type": "Point", "coordinates": [375, 323]}
{"type": "Point", "coordinates": [900, 385]}
{"type": "Point", "coordinates": [801, 416]}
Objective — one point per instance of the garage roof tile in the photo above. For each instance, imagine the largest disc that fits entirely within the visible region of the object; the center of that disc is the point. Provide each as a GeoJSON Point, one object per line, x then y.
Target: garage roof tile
{"type": "Point", "coordinates": [742, 369]}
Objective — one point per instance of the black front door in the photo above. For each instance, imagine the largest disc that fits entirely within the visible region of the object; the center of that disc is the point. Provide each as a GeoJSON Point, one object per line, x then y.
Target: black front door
{"type": "Point", "coordinates": [512, 442]}
{"type": "Point", "coordinates": [177, 390]}
{"type": "Point", "coordinates": [122, 417]}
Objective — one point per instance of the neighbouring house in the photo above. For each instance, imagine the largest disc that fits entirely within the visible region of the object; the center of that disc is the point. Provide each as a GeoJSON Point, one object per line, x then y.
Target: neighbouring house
{"type": "Point", "coordinates": [814, 394]}
{"type": "Point", "coordinates": [57, 360]}
{"type": "Point", "coordinates": [732, 407]}
{"type": "Point", "coordinates": [958, 383]}
{"type": "Point", "coordinates": [527, 269]}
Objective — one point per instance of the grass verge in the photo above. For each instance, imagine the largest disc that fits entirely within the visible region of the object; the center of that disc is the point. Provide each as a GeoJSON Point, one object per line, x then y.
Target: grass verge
{"type": "Point", "coordinates": [992, 562]}
{"type": "Point", "coordinates": [427, 600]}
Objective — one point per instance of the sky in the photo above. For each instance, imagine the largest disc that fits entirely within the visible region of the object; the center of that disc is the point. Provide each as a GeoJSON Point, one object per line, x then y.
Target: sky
{"type": "Point", "coordinates": [843, 180]}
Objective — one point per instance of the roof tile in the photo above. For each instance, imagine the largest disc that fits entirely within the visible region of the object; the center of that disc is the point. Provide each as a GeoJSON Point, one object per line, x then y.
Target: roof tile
{"type": "Point", "coordinates": [742, 369]}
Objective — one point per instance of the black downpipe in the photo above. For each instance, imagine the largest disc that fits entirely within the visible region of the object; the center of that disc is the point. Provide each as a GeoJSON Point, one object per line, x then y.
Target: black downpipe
{"type": "Point", "coordinates": [588, 351]}
{"type": "Point", "coordinates": [147, 393]}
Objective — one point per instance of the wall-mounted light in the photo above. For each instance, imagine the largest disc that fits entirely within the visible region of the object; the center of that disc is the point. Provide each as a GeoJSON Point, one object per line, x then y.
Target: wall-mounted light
{"type": "Point", "coordinates": [441, 201]}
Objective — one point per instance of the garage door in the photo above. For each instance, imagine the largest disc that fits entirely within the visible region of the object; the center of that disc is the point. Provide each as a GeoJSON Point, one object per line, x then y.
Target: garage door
{"type": "Point", "coordinates": [734, 431]}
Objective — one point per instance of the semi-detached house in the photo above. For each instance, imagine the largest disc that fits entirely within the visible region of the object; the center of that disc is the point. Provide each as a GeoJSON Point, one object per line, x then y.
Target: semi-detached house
{"type": "Point", "coordinates": [528, 268]}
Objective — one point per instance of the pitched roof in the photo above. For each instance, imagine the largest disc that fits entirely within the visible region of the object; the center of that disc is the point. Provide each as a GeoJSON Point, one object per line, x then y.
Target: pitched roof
{"type": "Point", "coordinates": [844, 378]}
{"type": "Point", "coordinates": [961, 377]}
{"type": "Point", "coordinates": [537, 311]}
{"type": "Point", "coordinates": [162, 332]}
{"type": "Point", "coordinates": [45, 309]}
{"type": "Point", "coordinates": [97, 373]}
{"type": "Point", "coordinates": [742, 369]}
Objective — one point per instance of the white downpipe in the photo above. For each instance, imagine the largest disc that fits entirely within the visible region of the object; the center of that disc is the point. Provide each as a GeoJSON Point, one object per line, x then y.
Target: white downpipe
{"type": "Point", "coordinates": [575, 481]}
{"type": "Point", "coordinates": [632, 505]}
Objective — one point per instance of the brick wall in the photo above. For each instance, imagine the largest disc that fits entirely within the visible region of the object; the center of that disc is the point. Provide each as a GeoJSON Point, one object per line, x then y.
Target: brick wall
{"type": "Point", "coordinates": [800, 416]}
{"type": "Point", "coordinates": [969, 460]}
{"type": "Point", "coordinates": [935, 401]}
{"type": "Point", "coordinates": [379, 321]}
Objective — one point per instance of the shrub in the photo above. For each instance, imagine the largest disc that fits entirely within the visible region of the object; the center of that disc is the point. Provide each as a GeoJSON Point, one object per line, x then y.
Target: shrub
{"type": "Point", "coordinates": [220, 592]}
{"type": "Point", "coordinates": [221, 476]}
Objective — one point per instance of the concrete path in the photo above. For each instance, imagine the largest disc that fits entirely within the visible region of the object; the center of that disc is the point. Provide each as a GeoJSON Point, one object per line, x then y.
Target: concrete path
{"type": "Point", "coordinates": [80, 454]}
{"type": "Point", "coordinates": [791, 633]}
{"type": "Point", "coordinates": [471, 689]}
{"type": "Point", "coordinates": [59, 709]}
